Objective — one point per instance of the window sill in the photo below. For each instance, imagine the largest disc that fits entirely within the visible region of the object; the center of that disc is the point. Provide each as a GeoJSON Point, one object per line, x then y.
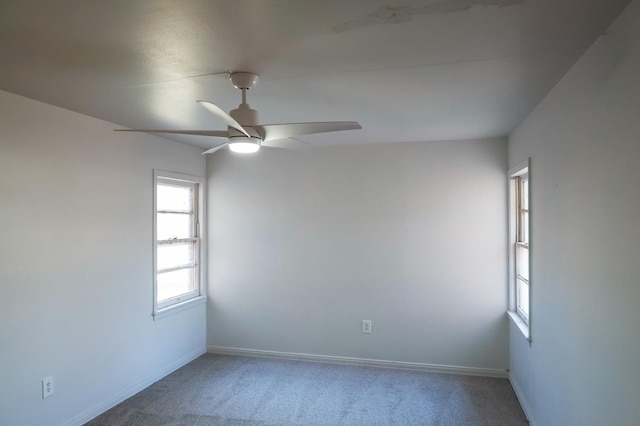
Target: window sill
{"type": "Point", "coordinates": [178, 307]}
{"type": "Point", "coordinates": [522, 326]}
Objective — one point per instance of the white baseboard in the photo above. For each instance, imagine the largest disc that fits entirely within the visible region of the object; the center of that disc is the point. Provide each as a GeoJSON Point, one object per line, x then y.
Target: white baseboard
{"type": "Point", "coordinates": [98, 409]}
{"type": "Point", "coordinates": [434, 368]}
{"type": "Point", "coordinates": [523, 402]}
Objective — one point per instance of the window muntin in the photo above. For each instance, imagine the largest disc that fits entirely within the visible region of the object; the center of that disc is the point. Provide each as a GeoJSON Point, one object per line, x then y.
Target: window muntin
{"type": "Point", "coordinates": [177, 245]}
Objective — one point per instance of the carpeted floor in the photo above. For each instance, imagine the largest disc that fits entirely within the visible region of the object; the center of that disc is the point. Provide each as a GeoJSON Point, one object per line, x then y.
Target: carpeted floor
{"type": "Point", "coordinates": [233, 390]}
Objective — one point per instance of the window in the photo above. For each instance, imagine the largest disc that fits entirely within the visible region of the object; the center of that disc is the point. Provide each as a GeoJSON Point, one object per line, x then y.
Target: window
{"type": "Point", "coordinates": [519, 248]}
{"type": "Point", "coordinates": [178, 251]}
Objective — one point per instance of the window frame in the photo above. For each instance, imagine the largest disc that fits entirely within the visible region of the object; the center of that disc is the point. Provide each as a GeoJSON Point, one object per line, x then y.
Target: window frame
{"type": "Point", "coordinates": [198, 295]}
{"type": "Point", "coordinates": [519, 238]}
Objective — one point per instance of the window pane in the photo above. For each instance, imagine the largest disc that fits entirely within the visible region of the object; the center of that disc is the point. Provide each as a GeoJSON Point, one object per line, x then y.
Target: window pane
{"type": "Point", "coordinates": [522, 262]}
{"type": "Point", "coordinates": [173, 255]}
{"type": "Point", "coordinates": [525, 194]}
{"type": "Point", "coordinates": [170, 197]}
{"type": "Point", "coordinates": [175, 283]}
{"type": "Point", "coordinates": [174, 225]}
{"type": "Point", "coordinates": [523, 296]}
{"type": "Point", "coordinates": [525, 227]}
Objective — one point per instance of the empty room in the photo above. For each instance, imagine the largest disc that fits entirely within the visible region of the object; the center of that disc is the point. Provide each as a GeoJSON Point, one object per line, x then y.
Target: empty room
{"type": "Point", "coordinates": [277, 212]}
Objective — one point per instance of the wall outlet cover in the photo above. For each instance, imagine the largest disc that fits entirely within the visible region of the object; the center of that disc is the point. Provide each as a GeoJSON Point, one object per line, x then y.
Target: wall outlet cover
{"type": "Point", "coordinates": [47, 387]}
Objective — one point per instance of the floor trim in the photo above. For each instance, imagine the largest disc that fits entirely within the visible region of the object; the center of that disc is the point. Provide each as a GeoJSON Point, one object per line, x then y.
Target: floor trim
{"type": "Point", "coordinates": [523, 402]}
{"type": "Point", "coordinates": [98, 409]}
{"type": "Point", "coordinates": [434, 368]}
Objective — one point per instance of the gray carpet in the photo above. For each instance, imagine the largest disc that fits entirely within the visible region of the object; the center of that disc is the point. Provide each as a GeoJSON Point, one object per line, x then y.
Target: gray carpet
{"type": "Point", "coordinates": [233, 390]}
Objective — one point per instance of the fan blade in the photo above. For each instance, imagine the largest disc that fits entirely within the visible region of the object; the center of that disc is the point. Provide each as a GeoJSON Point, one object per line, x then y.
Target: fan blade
{"type": "Point", "coordinates": [216, 110]}
{"type": "Point", "coordinates": [214, 133]}
{"type": "Point", "coordinates": [281, 131]}
{"type": "Point", "coordinates": [289, 143]}
{"type": "Point", "coordinates": [215, 148]}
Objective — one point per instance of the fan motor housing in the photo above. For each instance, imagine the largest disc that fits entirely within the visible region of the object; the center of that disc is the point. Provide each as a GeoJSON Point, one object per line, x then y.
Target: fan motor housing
{"type": "Point", "coordinates": [253, 133]}
{"type": "Point", "coordinates": [245, 115]}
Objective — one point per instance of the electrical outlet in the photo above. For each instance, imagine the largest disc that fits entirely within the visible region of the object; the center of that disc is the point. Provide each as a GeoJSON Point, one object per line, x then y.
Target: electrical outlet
{"type": "Point", "coordinates": [47, 387]}
{"type": "Point", "coordinates": [366, 326]}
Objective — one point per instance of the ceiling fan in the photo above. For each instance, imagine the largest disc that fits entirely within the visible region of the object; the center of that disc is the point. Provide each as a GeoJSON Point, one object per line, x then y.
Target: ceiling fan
{"type": "Point", "coordinates": [243, 133]}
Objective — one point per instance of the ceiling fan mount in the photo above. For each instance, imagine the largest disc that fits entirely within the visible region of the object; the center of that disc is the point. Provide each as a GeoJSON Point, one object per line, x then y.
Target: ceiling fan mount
{"type": "Point", "coordinates": [244, 115]}
{"type": "Point", "coordinates": [244, 134]}
{"type": "Point", "coordinates": [243, 80]}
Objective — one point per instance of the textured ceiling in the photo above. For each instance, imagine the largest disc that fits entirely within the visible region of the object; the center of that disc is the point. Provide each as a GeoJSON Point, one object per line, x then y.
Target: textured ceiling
{"type": "Point", "coordinates": [406, 70]}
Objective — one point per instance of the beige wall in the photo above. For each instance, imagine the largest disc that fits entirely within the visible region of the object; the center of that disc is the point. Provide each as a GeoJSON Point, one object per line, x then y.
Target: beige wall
{"type": "Point", "coordinates": [304, 246]}
{"type": "Point", "coordinates": [584, 144]}
{"type": "Point", "coordinates": [75, 264]}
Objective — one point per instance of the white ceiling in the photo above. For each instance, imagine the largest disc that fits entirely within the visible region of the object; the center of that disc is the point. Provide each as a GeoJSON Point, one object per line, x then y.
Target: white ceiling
{"type": "Point", "coordinates": [407, 70]}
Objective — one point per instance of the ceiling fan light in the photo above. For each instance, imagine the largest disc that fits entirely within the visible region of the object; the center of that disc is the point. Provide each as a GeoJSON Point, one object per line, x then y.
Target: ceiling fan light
{"type": "Point", "coordinates": [244, 146]}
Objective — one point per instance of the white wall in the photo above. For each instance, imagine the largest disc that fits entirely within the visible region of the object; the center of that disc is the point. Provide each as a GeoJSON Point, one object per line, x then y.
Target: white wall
{"type": "Point", "coordinates": [584, 142]}
{"type": "Point", "coordinates": [75, 264]}
{"type": "Point", "coordinates": [303, 246]}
